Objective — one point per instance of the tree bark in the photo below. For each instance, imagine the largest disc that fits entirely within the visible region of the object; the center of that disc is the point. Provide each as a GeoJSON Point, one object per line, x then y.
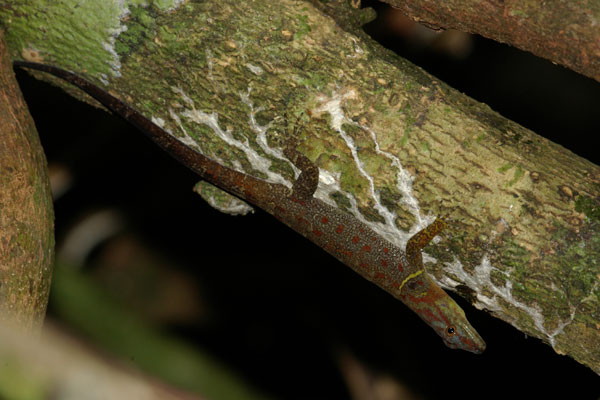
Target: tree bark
{"type": "Point", "coordinates": [395, 147]}
{"type": "Point", "coordinates": [564, 32]}
{"type": "Point", "coordinates": [26, 213]}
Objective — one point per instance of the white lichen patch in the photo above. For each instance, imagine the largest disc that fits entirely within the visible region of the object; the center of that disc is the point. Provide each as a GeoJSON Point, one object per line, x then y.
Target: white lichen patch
{"type": "Point", "coordinates": [183, 96]}
{"type": "Point", "coordinates": [333, 106]}
{"type": "Point", "coordinates": [255, 69]}
{"type": "Point", "coordinates": [109, 45]}
{"type": "Point", "coordinates": [158, 121]}
{"type": "Point", "coordinates": [481, 278]}
{"type": "Point", "coordinates": [358, 51]}
{"type": "Point", "coordinates": [404, 182]}
{"type": "Point", "coordinates": [256, 160]}
{"type": "Point", "coordinates": [261, 133]}
{"type": "Point", "coordinates": [186, 138]}
{"type": "Point", "coordinates": [169, 5]}
{"type": "Point", "coordinates": [329, 183]}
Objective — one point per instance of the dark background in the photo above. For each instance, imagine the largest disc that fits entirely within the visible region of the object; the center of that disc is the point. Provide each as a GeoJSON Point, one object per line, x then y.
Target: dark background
{"type": "Point", "coordinates": [270, 305]}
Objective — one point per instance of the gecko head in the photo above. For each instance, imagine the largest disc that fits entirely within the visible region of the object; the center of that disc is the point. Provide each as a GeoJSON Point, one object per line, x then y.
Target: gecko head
{"type": "Point", "coordinates": [442, 313]}
{"type": "Point", "coordinates": [454, 328]}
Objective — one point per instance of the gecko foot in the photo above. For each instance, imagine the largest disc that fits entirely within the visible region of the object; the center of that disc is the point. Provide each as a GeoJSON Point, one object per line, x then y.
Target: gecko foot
{"type": "Point", "coordinates": [421, 239]}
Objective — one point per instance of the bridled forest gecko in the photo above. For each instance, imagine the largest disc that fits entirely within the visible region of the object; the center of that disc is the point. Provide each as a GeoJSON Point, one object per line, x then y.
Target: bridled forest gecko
{"type": "Point", "coordinates": [338, 232]}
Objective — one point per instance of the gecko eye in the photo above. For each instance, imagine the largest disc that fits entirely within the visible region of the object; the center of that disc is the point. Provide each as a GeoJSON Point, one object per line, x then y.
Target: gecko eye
{"type": "Point", "coordinates": [450, 330]}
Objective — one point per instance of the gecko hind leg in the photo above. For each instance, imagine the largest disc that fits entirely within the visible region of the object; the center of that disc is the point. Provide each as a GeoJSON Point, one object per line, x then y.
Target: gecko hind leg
{"type": "Point", "coordinates": [421, 239]}
{"type": "Point", "coordinates": [306, 184]}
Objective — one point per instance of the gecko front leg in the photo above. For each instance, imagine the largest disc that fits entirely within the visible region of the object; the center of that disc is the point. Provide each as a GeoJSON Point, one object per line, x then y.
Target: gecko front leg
{"type": "Point", "coordinates": [421, 239]}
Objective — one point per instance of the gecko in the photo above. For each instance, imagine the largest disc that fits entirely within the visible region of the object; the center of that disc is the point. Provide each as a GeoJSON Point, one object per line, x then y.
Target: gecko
{"type": "Point", "coordinates": [354, 243]}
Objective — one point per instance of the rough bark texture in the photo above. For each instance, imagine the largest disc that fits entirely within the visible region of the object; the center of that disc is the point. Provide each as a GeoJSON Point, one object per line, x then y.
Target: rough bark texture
{"type": "Point", "coordinates": [395, 146]}
{"type": "Point", "coordinates": [564, 32]}
{"type": "Point", "coordinates": [26, 213]}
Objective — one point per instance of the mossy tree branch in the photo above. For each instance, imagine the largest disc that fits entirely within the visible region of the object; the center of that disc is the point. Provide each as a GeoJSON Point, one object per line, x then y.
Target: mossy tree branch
{"type": "Point", "coordinates": [26, 213]}
{"type": "Point", "coordinates": [564, 32]}
{"type": "Point", "coordinates": [394, 145]}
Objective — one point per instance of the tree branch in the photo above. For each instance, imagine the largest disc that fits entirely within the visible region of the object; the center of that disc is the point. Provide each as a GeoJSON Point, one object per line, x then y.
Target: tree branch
{"type": "Point", "coordinates": [26, 212]}
{"type": "Point", "coordinates": [395, 147]}
{"type": "Point", "coordinates": [564, 32]}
